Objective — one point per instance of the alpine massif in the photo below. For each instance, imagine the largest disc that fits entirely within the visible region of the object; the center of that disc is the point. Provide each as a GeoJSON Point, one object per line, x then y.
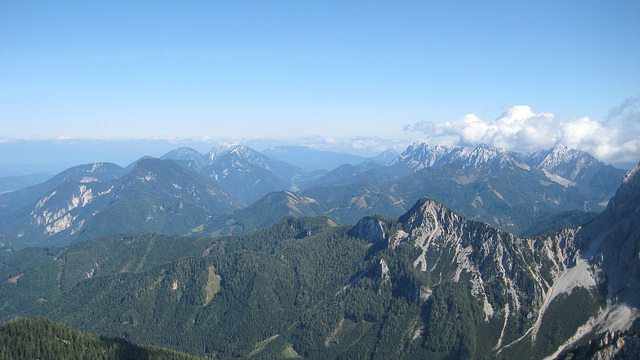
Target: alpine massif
{"type": "Point", "coordinates": [156, 195]}
{"type": "Point", "coordinates": [432, 283]}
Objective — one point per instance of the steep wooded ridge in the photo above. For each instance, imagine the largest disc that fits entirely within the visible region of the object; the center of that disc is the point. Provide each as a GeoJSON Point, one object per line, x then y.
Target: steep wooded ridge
{"type": "Point", "coordinates": [41, 338]}
{"type": "Point", "coordinates": [429, 284]}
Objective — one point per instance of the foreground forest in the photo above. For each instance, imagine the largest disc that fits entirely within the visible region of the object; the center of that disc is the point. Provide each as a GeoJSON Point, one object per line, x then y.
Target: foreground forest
{"type": "Point", "coordinates": [41, 338]}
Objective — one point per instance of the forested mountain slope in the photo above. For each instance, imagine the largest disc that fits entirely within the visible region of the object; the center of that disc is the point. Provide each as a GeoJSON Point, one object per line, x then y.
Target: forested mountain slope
{"type": "Point", "coordinates": [430, 284]}
{"type": "Point", "coordinates": [41, 338]}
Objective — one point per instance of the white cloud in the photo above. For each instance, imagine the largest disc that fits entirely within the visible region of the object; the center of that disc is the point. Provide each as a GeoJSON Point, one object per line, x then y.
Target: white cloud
{"type": "Point", "coordinates": [366, 143]}
{"type": "Point", "coordinates": [520, 129]}
{"type": "Point", "coordinates": [360, 145]}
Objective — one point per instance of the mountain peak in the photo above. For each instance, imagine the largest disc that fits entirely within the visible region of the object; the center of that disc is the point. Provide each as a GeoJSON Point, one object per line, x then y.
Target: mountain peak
{"type": "Point", "coordinates": [626, 201]}
{"type": "Point", "coordinates": [419, 156]}
{"type": "Point", "coordinates": [632, 176]}
{"type": "Point", "coordinates": [386, 156]}
{"type": "Point", "coordinates": [560, 155]}
{"type": "Point", "coordinates": [426, 205]}
{"type": "Point", "coordinates": [574, 168]}
{"type": "Point", "coordinates": [145, 161]}
{"type": "Point", "coordinates": [182, 153]}
{"type": "Point", "coordinates": [427, 214]}
{"type": "Point", "coordinates": [559, 148]}
{"type": "Point", "coordinates": [187, 156]}
{"type": "Point", "coordinates": [220, 149]}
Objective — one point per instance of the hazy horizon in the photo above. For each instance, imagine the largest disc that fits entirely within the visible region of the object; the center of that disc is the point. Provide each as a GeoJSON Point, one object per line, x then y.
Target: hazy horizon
{"type": "Point", "coordinates": [351, 77]}
{"type": "Point", "coordinates": [53, 156]}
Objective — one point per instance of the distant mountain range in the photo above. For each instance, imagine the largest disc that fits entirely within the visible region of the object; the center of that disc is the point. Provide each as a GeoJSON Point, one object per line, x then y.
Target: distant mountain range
{"type": "Point", "coordinates": [206, 194]}
{"type": "Point", "coordinates": [250, 174]}
{"type": "Point", "coordinates": [420, 156]}
{"type": "Point", "coordinates": [429, 284]}
{"type": "Point", "coordinates": [577, 169]}
{"type": "Point", "coordinates": [246, 173]}
{"type": "Point", "coordinates": [567, 167]}
{"type": "Point", "coordinates": [510, 198]}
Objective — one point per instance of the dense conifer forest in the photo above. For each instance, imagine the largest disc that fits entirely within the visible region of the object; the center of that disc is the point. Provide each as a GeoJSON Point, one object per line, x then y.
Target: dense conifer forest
{"type": "Point", "coordinates": [41, 338]}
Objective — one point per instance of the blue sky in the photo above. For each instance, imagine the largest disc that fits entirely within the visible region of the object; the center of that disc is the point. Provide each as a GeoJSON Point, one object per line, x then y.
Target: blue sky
{"type": "Point", "coordinates": [345, 75]}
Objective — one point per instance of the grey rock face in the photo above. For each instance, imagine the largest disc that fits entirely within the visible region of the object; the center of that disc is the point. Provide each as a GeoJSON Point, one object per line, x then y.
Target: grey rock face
{"type": "Point", "coordinates": [370, 229]}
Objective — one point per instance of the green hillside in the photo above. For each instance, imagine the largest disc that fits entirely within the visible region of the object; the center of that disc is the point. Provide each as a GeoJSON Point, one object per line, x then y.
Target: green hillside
{"type": "Point", "coordinates": [304, 287]}
{"type": "Point", "coordinates": [509, 198]}
{"type": "Point", "coordinates": [41, 338]}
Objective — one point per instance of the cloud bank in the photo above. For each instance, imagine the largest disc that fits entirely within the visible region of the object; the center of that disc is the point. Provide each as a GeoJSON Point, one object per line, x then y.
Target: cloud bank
{"type": "Point", "coordinates": [616, 140]}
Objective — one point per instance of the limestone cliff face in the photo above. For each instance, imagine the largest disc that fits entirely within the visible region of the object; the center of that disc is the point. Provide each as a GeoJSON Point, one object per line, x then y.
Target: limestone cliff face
{"type": "Point", "coordinates": [370, 229]}
{"type": "Point", "coordinates": [519, 280]}
{"type": "Point", "coordinates": [505, 272]}
{"type": "Point", "coordinates": [605, 251]}
{"type": "Point", "coordinates": [619, 226]}
{"type": "Point", "coordinates": [610, 345]}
